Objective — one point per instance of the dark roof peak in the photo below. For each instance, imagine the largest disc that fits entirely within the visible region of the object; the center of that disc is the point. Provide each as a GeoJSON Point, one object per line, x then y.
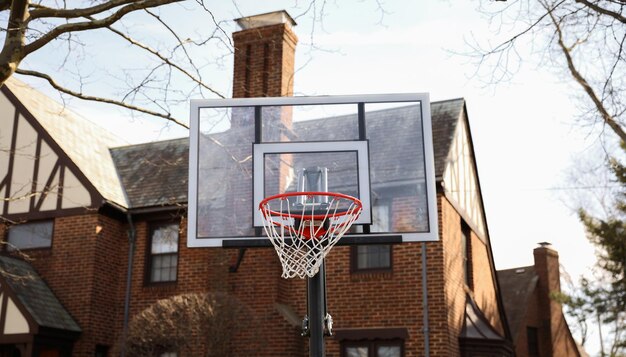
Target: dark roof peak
{"type": "Point", "coordinates": [517, 285]}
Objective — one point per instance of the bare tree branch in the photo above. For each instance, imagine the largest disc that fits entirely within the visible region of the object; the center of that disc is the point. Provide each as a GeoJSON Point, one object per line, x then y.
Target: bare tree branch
{"type": "Point", "coordinates": [166, 61]}
{"type": "Point", "coordinates": [603, 11]}
{"type": "Point", "coordinates": [588, 34]}
{"type": "Point", "coordinates": [41, 11]}
{"type": "Point", "coordinates": [608, 118]}
{"type": "Point", "coordinates": [94, 24]}
{"type": "Point", "coordinates": [80, 95]}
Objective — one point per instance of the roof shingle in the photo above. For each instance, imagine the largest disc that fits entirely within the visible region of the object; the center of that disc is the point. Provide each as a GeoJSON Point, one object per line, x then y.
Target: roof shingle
{"type": "Point", "coordinates": [36, 296]}
{"type": "Point", "coordinates": [516, 286]}
{"type": "Point", "coordinates": [155, 173]}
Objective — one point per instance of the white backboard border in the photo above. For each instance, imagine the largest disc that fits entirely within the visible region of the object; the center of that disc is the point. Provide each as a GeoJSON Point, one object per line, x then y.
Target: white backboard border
{"type": "Point", "coordinates": [193, 241]}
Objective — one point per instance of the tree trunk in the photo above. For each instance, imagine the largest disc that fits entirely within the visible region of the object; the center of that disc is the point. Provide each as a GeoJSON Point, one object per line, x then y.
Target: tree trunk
{"type": "Point", "coordinates": [12, 51]}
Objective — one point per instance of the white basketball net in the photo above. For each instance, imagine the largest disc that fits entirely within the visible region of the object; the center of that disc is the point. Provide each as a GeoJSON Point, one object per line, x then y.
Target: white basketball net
{"type": "Point", "coordinates": [304, 234]}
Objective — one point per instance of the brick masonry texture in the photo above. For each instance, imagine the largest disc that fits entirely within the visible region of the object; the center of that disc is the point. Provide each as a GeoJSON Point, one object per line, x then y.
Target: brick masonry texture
{"type": "Point", "coordinates": [87, 272]}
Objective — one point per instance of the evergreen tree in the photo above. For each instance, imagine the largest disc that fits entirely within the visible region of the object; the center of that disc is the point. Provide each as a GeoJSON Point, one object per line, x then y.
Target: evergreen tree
{"type": "Point", "coordinates": [604, 300]}
{"type": "Point", "coordinates": [609, 236]}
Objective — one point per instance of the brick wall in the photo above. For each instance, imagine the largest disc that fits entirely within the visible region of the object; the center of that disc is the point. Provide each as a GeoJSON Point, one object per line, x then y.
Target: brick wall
{"type": "Point", "coordinates": [389, 299]}
{"type": "Point", "coordinates": [452, 277]}
{"type": "Point", "coordinates": [484, 291]}
{"type": "Point", "coordinates": [87, 266]}
{"type": "Point", "coordinates": [81, 269]}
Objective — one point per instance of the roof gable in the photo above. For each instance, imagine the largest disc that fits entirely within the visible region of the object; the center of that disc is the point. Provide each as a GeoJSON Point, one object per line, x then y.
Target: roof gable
{"type": "Point", "coordinates": [517, 286]}
{"type": "Point", "coordinates": [36, 303]}
{"type": "Point", "coordinates": [69, 135]}
{"type": "Point", "coordinates": [459, 174]}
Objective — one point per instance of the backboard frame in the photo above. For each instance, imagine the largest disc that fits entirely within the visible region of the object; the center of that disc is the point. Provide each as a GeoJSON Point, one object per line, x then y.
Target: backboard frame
{"type": "Point", "coordinates": [354, 238]}
{"type": "Point", "coordinates": [359, 147]}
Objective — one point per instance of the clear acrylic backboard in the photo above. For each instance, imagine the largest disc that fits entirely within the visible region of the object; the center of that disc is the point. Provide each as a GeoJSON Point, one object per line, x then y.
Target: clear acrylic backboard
{"type": "Point", "coordinates": [377, 148]}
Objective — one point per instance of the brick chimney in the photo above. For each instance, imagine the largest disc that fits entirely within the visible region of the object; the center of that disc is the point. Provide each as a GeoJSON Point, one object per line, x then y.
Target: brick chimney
{"type": "Point", "coordinates": [264, 67]}
{"type": "Point", "coordinates": [547, 268]}
{"type": "Point", "coordinates": [264, 56]}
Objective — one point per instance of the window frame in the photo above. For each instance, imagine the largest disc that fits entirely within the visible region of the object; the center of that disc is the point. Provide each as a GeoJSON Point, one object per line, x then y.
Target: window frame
{"type": "Point", "coordinates": [466, 252]}
{"type": "Point", "coordinates": [354, 250]}
{"type": "Point", "coordinates": [152, 227]}
{"type": "Point", "coordinates": [8, 247]}
{"type": "Point", "coordinates": [354, 260]}
{"type": "Point", "coordinates": [372, 345]}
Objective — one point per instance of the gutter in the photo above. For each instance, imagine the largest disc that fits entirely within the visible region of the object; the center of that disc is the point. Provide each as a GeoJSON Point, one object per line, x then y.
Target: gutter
{"type": "Point", "coordinates": [132, 239]}
{"type": "Point", "coordinates": [425, 302]}
{"type": "Point", "coordinates": [129, 274]}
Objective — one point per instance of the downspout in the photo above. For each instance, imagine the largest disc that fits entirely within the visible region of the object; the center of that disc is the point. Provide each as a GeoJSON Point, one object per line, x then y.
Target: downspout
{"type": "Point", "coordinates": [131, 254]}
{"type": "Point", "coordinates": [425, 302]}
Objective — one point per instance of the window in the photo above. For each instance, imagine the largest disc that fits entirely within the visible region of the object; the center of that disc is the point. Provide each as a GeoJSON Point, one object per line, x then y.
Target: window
{"type": "Point", "coordinates": [532, 338]}
{"type": "Point", "coordinates": [466, 251]}
{"type": "Point", "coordinates": [372, 342]}
{"type": "Point", "coordinates": [31, 235]}
{"type": "Point", "coordinates": [374, 257]}
{"type": "Point", "coordinates": [371, 257]}
{"type": "Point", "coordinates": [163, 257]}
{"type": "Point", "coordinates": [375, 348]}
{"type": "Point", "coordinates": [101, 351]}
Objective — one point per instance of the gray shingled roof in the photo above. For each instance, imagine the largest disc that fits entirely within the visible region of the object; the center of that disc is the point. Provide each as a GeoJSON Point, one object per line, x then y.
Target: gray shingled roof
{"type": "Point", "coordinates": [36, 296]}
{"type": "Point", "coordinates": [516, 286]}
{"type": "Point", "coordinates": [155, 173]}
{"type": "Point", "coordinates": [445, 116]}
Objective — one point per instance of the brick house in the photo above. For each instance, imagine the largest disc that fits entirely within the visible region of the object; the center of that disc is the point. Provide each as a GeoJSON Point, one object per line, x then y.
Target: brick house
{"type": "Point", "coordinates": [92, 214]}
{"type": "Point", "coordinates": [536, 322]}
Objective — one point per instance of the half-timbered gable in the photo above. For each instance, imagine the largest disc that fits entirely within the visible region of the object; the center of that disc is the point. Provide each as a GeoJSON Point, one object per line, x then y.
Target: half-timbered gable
{"type": "Point", "coordinates": [52, 161]}
{"type": "Point", "coordinates": [456, 166]}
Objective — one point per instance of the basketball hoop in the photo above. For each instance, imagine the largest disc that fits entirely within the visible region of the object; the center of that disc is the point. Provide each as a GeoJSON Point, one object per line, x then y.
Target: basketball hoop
{"type": "Point", "coordinates": [304, 226]}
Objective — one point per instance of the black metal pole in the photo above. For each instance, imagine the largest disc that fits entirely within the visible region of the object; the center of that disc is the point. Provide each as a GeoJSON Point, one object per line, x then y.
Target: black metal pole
{"type": "Point", "coordinates": [317, 312]}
